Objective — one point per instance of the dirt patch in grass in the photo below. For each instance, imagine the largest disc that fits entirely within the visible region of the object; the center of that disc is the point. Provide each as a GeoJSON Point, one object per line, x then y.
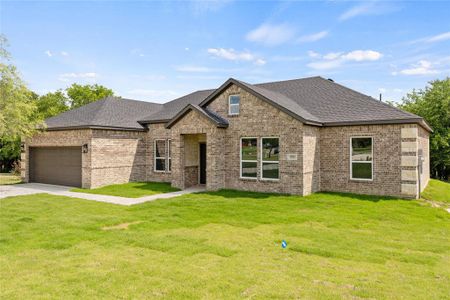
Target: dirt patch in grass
{"type": "Point", "coordinates": [122, 226]}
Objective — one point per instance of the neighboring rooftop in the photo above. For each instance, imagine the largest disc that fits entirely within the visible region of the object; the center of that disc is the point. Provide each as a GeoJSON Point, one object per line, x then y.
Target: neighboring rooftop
{"type": "Point", "coordinates": [110, 112]}
{"type": "Point", "coordinates": [313, 100]}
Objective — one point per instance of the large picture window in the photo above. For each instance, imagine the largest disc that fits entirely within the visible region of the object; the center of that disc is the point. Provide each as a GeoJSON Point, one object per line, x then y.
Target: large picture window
{"type": "Point", "coordinates": [361, 158]}
{"type": "Point", "coordinates": [270, 158]}
{"type": "Point", "coordinates": [160, 156]}
{"type": "Point", "coordinates": [249, 158]}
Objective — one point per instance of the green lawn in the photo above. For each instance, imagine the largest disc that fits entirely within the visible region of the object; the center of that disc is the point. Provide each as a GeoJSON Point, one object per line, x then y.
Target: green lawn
{"type": "Point", "coordinates": [131, 189]}
{"type": "Point", "coordinates": [437, 191]}
{"type": "Point", "coordinates": [224, 245]}
{"type": "Point", "coordinates": [7, 178]}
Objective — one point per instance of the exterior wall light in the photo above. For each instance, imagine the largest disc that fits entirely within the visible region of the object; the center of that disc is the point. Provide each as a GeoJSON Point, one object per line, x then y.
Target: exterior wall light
{"type": "Point", "coordinates": [85, 148]}
{"type": "Point", "coordinates": [22, 147]}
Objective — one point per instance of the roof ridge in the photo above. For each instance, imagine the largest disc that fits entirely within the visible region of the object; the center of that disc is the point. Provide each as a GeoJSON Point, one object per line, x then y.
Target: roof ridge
{"type": "Point", "coordinates": [295, 79]}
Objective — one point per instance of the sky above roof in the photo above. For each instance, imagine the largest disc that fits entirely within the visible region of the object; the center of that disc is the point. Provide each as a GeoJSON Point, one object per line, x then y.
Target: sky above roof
{"type": "Point", "coordinates": [158, 51]}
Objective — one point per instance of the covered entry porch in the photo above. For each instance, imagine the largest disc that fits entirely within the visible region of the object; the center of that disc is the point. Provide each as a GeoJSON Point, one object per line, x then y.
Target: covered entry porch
{"type": "Point", "coordinates": [195, 159]}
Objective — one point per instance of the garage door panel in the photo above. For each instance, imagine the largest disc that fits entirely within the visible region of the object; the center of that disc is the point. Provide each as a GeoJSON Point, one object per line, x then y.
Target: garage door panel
{"type": "Point", "coordinates": [56, 165]}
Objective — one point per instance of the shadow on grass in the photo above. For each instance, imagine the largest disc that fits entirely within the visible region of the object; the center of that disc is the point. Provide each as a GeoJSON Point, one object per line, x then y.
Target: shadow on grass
{"type": "Point", "coordinates": [162, 187]}
{"type": "Point", "coordinates": [316, 196]}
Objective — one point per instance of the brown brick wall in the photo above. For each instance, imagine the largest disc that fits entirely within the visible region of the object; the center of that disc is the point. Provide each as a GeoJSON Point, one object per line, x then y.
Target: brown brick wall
{"type": "Point", "coordinates": [335, 159]}
{"type": "Point", "coordinates": [117, 157]}
{"type": "Point", "coordinates": [259, 119]}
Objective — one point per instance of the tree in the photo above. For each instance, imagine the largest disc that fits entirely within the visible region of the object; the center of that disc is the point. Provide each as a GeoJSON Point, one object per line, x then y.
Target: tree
{"type": "Point", "coordinates": [83, 94]}
{"type": "Point", "coordinates": [433, 104]}
{"type": "Point", "coordinates": [18, 116]}
{"type": "Point", "coordinates": [52, 104]}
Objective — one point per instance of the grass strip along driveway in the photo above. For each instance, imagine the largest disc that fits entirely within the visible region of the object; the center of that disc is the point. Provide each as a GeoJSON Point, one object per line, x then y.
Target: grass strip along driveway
{"type": "Point", "coordinates": [225, 244]}
{"type": "Point", "coordinates": [131, 189]}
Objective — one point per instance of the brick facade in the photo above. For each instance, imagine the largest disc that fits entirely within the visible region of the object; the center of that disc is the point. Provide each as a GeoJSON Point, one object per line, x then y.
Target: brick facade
{"type": "Point", "coordinates": [113, 156]}
{"type": "Point", "coordinates": [311, 158]}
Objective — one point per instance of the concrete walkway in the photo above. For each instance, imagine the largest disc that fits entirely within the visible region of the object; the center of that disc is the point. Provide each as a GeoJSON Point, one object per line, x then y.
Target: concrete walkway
{"type": "Point", "coordinates": [39, 188]}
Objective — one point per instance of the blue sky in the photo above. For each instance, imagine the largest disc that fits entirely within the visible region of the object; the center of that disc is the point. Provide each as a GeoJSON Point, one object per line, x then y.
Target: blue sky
{"type": "Point", "coordinates": [157, 51]}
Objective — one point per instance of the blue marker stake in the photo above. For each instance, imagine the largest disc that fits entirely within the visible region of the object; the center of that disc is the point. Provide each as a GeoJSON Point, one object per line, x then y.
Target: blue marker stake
{"type": "Point", "coordinates": [283, 244]}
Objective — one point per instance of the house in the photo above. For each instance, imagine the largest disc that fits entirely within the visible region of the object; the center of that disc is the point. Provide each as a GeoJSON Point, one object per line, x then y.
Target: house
{"type": "Point", "coordinates": [296, 136]}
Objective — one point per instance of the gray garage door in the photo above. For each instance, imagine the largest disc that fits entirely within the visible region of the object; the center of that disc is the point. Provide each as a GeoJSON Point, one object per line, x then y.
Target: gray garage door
{"type": "Point", "coordinates": [56, 165]}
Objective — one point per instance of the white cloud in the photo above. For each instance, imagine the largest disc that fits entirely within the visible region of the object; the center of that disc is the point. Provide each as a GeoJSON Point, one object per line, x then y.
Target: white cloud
{"type": "Point", "coordinates": [313, 54]}
{"type": "Point", "coordinates": [325, 65]}
{"type": "Point", "coordinates": [367, 8]}
{"type": "Point", "coordinates": [313, 37]}
{"type": "Point", "coordinates": [438, 38]}
{"type": "Point", "coordinates": [423, 67]}
{"type": "Point", "coordinates": [362, 55]}
{"type": "Point", "coordinates": [271, 35]}
{"type": "Point", "coordinates": [49, 53]}
{"type": "Point", "coordinates": [336, 59]}
{"type": "Point", "coordinates": [233, 55]}
{"type": "Point", "coordinates": [68, 76]}
{"type": "Point", "coordinates": [332, 55]}
{"type": "Point", "coordinates": [64, 53]}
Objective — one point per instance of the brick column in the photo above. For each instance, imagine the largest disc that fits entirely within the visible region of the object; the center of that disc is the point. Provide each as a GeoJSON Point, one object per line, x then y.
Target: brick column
{"type": "Point", "coordinates": [409, 162]}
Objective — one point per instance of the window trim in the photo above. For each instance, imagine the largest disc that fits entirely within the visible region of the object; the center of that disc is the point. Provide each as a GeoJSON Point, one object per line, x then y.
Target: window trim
{"type": "Point", "coordinates": [367, 162]}
{"type": "Point", "coordinates": [241, 160]}
{"type": "Point", "coordinates": [272, 162]}
{"type": "Point", "coordinates": [238, 105]}
{"type": "Point", "coordinates": [169, 157]}
{"type": "Point", "coordinates": [159, 157]}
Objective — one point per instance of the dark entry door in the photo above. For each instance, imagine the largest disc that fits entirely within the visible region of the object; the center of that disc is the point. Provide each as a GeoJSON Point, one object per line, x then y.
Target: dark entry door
{"type": "Point", "coordinates": [202, 163]}
{"type": "Point", "coordinates": [56, 165]}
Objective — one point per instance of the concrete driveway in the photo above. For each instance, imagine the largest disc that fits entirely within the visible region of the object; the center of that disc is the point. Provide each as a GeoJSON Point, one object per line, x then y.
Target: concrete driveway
{"type": "Point", "coordinates": [38, 188]}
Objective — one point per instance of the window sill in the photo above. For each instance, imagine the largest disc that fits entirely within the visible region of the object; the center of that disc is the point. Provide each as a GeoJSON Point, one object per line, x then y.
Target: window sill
{"type": "Point", "coordinates": [269, 179]}
{"type": "Point", "coordinates": [248, 178]}
{"type": "Point", "coordinates": [361, 180]}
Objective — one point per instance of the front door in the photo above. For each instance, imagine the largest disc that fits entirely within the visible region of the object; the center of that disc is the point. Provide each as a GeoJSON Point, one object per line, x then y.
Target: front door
{"type": "Point", "coordinates": [202, 166]}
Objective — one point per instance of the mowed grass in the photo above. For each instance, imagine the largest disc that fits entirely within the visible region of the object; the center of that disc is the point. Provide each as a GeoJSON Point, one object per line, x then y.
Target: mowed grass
{"type": "Point", "coordinates": [224, 245]}
{"type": "Point", "coordinates": [131, 189]}
{"type": "Point", "coordinates": [7, 178]}
{"type": "Point", "coordinates": [437, 190]}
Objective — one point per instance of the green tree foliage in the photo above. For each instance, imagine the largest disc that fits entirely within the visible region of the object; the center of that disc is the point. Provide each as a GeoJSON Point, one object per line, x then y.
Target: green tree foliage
{"type": "Point", "coordinates": [52, 104]}
{"type": "Point", "coordinates": [433, 104]}
{"type": "Point", "coordinates": [83, 94]}
{"type": "Point", "coordinates": [18, 117]}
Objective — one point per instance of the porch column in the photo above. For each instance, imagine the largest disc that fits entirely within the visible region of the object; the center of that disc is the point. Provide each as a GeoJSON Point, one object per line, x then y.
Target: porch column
{"type": "Point", "coordinates": [215, 159]}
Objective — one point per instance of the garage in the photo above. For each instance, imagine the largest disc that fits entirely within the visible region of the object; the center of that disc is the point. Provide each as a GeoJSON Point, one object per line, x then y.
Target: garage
{"type": "Point", "coordinates": [56, 165]}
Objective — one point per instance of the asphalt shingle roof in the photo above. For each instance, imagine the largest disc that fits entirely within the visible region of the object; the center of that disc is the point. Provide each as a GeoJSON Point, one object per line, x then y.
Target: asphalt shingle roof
{"type": "Point", "coordinates": [110, 112]}
{"type": "Point", "coordinates": [314, 100]}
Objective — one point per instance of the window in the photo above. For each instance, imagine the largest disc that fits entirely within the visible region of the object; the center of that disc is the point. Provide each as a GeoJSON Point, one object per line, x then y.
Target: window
{"type": "Point", "coordinates": [233, 104]}
{"type": "Point", "coordinates": [270, 158]}
{"type": "Point", "coordinates": [249, 157]}
{"type": "Point", "coordinates": [169, 155]}
{"type": "Point", "coordinates": [361, 158]}
{"type": "Point", "coordinates": [160, 155]}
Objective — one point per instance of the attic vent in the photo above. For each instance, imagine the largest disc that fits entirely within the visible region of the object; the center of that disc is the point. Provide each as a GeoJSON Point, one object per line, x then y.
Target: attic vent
{"type": "Point", "coordinates": [330, 79]}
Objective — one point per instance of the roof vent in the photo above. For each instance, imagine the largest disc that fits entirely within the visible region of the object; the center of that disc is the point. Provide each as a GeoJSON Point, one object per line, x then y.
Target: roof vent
{"type": "Point", "coordinates": [330, 79]}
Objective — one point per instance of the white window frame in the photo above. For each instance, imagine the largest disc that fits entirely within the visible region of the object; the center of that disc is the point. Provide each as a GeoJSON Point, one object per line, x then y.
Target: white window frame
{"type": "Point", "coordinates": [159, 157]}
{"type": "Point", "coordinates": [238, 105]}
{"type": "Point", "coordinates": [358, 161]}
{"type": "Point", "coordinates": [269, 161]}
{"type": "Point", "coordinates": [241, 160]}
{"type": "Point", "coordinates": [169, 157]}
